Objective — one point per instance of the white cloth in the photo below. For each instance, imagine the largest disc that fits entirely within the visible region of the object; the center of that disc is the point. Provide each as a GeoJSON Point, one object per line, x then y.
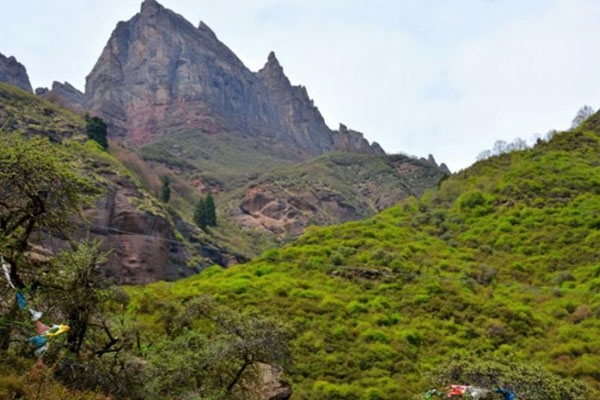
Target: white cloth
{"type": "Point", "coordinates": [6, 273]}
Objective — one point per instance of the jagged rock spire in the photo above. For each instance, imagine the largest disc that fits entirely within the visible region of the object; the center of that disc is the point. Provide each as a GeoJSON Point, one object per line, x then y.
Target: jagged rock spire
{"type": "Point", "coordinates": [14, 73]}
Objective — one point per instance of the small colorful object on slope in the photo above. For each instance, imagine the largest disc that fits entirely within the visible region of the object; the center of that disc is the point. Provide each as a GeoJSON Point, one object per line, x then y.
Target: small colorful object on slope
{"type": "Point", "coordinates": [477, 392]}
{"type": "Point", "coordinates": [457, 390]}
{"type": "Point", "coordinates": [508, 395]}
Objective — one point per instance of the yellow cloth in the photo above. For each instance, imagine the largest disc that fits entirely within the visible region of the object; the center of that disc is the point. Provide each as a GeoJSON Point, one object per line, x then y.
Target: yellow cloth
{"type": "Point", "coordinates": [56, 330]}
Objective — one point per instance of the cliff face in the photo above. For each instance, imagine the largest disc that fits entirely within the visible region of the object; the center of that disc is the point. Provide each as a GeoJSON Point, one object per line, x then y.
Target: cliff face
{"type": "Point", "coordinates": [14, 73]}
{"type": "Point", "coordinates": [159, 74]}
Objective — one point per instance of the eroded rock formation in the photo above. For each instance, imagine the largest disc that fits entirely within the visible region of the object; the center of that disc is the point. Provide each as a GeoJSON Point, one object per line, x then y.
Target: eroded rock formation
{"type": "Point", "coordinates": [65, 95]}
{"type": "Point", "coordinates": [14, 73]}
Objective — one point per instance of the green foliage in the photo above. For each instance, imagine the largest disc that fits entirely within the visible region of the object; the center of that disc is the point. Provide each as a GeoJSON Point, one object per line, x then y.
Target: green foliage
{"type": "Point", "coordinates": [165, 192]}
{"type": "Point", "coordinates": [205, 214]}
{"type": "Point", "coordinates": [41, 190]}
{"type": "Point", "coordinates": [97, 130]}
{"type": "Point", "coordinates": [501, 261]}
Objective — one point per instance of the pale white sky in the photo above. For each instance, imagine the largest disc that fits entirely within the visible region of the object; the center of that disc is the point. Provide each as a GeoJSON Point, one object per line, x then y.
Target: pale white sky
{"type": "Point", "coordinates": [447, 77]}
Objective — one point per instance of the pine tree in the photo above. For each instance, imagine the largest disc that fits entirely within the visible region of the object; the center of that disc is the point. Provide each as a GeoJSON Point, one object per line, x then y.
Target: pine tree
{"type": "Point", "coordinates": [200, 214]}
{"type": "Point", "coordinates": [97, 130]}
{"type": "Point", "coordinates": [166, 189]}
{"type": "Point", "coordinates": [205, 214]}
{"type": "Point", "coordinates": [211, 213]}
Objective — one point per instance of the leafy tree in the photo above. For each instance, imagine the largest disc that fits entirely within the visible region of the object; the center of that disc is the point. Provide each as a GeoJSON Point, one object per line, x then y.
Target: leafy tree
{"type": "Point", "coordinates": [222, 363]}
{"type": "Point", "coordinates": [97, 130]}
{"type": "Point", "coordinates": [40, 191]}
{"type": "Point", "coordinates": [166, 189]}
{"type": "Point", "coordinates": [584, 113]}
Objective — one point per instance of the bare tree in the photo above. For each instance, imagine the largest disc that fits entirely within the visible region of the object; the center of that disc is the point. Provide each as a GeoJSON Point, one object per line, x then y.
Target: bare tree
{"type": "Point", "coordinates": [584, 113]}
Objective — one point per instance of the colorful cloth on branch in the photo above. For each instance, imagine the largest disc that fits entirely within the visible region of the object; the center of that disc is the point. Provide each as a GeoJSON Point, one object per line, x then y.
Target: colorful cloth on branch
{"type": "Point", "coordinates": [508, 395]}
{"type": "Point", "coordinates": [41, 328]}
{"type": "Point", "coordinates": [6, 273]}
{"type": "Point", "coordinates": [21, 301]}
{"type": "Point", "coordinates": [35, 315]}
{"type": "Point", "coordinates": [40, 351]}
{"type": "Point", "coordinates": [38, 341]}
{"type": "Point", "coordinates": [56, 330]}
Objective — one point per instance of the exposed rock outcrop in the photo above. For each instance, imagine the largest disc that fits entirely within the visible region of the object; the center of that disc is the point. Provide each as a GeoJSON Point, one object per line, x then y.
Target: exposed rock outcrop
{"type": "Point", "coordinates": [345, 139]}
{"type": "Point", "coordinates": [430, 159]}
{"type": "Point", "coordinates": [65, 95]}
{"type": "Point", "coordinates": [160, 74]}
{"type": "Point", "coordinates": [332, 189]}
{"type": "Point", "coordinates": [14, 73]}
{"type": "Point", "coordinates": [274, 386]}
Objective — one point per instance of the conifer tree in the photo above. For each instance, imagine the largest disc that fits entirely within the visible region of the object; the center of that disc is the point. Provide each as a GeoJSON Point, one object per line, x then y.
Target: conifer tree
{"type": "Point", "coordinates": [205, 214]}
{"type": "Point", "coordinates": [200, 214]}
{"type": "Point", "coordinates": [97, 130]}
{"type": "Point", "coordinates": [166, 189]}
{"type": "Point", "coordinates": [211, 213]}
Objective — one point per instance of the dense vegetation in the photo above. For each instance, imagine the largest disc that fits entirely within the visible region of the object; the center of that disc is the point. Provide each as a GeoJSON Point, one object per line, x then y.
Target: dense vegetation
{"type": "Point", "coordinates": [502, 260]}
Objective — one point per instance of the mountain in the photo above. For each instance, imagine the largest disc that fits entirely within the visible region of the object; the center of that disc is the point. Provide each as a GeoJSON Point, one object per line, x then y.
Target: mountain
{"type": "Point", "coordinates": [160, 75]}
{"type": "Point", "coordinates": [503, 260]}
{"type": "Point", "coordinates": [180, 104]}
{"type": "Point", "coordinates": [148, 242]}
{"type": "Point", "coordinates": [14, 73]}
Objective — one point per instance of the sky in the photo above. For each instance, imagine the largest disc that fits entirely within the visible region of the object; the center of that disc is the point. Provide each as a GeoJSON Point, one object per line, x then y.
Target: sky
{"type": "Point", "coordinates": [446, 77]}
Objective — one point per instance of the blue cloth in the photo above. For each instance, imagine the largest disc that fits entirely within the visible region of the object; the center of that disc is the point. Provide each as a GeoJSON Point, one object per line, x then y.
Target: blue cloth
{"type": "Point", "coordinates": [508, 395]}
{"type": "Point", "coordinates": [21, 301]}
{"type": "Point", "coordinates": [38, 341]}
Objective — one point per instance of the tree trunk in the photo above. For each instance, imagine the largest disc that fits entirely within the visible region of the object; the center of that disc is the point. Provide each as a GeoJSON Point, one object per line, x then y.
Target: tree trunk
{"type": "Point", "coordinates": [238, 376]}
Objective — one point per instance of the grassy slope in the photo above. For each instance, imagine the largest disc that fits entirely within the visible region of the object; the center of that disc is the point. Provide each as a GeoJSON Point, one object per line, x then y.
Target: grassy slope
{"type": "Point", "coordinates": [503, 259]}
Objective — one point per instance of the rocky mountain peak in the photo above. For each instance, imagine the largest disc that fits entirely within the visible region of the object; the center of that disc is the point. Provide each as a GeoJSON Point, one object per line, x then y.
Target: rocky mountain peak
{"type": "Point", "coordinates": [63, 94]}
{"type": "Point", "coordinates": [273, 73]}
{"type": "Point", "coordinates": [159, 74]}
{"type": "Point", "coordinates": [150, 8]}
{"type": "Point", "coordinates": [14, 73]}
{"type": "Point", "coordinates": [202, 27]}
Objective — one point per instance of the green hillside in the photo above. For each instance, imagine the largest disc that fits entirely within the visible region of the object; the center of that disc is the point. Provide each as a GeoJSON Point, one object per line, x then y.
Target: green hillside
{"type": "Point", "coordinates": [502, 260]}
